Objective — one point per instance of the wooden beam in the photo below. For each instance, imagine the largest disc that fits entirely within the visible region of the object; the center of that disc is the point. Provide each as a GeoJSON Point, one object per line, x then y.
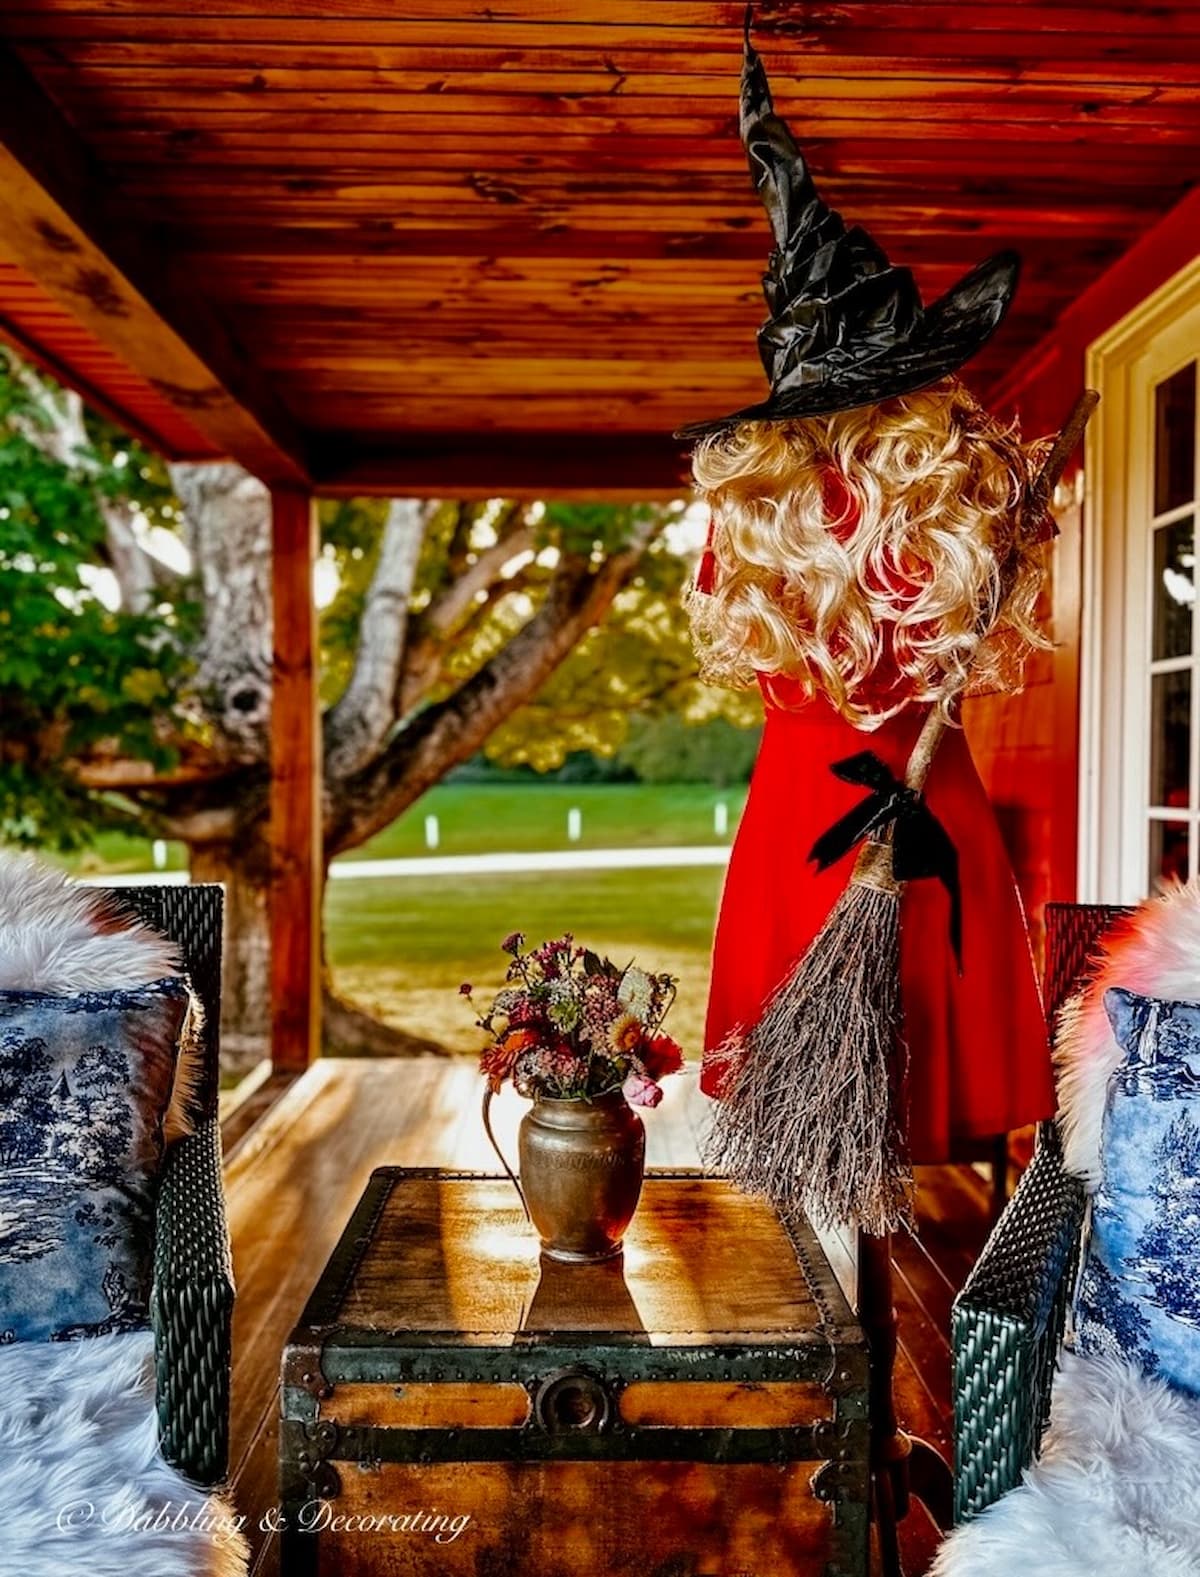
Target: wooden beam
{"type": "Point", "coordinates": [613, 466]}
{"type": "Point", "coordinates": [58, 229]}
{"type": "Point", "coordinates": [295, 830]}
{"type": "Point", "coordinates": [14, 336]}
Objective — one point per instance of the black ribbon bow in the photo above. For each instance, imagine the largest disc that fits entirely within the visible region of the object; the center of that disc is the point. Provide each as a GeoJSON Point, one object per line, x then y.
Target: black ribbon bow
{"type": "Point", "coordinates": [921, 846]}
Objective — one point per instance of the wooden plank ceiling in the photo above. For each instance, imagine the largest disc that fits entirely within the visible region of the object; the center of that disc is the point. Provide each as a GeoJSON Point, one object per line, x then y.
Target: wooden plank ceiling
{"type": "Point", "coordinates": [515, 244]}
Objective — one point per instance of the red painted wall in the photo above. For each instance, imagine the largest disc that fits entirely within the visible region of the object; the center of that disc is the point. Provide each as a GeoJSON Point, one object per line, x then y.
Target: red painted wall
{"type": "Point", "coordinates": [1027, 746]}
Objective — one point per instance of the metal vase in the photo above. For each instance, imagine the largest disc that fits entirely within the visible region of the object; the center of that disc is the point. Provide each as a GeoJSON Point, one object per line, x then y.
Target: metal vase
{"type": "Point", "coordinates": [582, 1164]}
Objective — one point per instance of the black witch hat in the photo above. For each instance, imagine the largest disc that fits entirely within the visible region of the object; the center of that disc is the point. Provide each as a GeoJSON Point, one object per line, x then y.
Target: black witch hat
{"type": "Point", "coordinates": [847, 328]}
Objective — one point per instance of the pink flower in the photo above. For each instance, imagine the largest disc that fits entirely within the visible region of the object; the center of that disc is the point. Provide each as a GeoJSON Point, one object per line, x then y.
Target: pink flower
{"type": "Point", "coordinates": [638, 1090]}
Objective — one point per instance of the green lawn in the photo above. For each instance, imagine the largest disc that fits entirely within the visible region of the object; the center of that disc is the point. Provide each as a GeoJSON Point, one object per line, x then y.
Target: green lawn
{"type": "Point", "coordinates": [401, 946]}
{"type": "Point", "coordinates": [114, 854]}
{"type": "Point", "coordinates": [477, 817]}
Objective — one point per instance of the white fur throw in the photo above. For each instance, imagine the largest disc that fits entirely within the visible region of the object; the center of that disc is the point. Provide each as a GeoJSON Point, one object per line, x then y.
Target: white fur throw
{"type": "Point", "coordinates": [59, 938]}
{"type": "Point", "coordinates": [1114, 1493]}
{"type": "Point", "coordinates": [83, 1485]}
{"type": "Point", "coordinates": [1155, 953]}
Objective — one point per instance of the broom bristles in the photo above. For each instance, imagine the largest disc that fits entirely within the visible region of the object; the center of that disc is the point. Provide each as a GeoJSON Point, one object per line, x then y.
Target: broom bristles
{"type": "Point", "coordinates": [809, 1115]}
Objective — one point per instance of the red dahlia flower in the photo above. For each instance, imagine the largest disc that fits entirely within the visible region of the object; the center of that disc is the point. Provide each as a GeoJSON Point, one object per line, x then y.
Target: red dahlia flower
{"type": "Point", "coordinates": [660, 1055]}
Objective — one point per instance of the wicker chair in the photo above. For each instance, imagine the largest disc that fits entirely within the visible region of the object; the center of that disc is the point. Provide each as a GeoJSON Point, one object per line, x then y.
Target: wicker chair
{"type": "Point", "coordinates": [1007, 1323]}
{"type": "Point", "coordinates": [191, 1303]}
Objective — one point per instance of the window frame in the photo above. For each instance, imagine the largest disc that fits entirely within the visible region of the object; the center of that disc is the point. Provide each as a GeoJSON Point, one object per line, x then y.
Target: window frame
{"type": "Point", "coordinates": [1126, 364]}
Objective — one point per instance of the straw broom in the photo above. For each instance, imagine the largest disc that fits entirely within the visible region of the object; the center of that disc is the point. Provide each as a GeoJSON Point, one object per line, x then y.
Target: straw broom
{"type": "Point", "coordinates": [812, 1113]}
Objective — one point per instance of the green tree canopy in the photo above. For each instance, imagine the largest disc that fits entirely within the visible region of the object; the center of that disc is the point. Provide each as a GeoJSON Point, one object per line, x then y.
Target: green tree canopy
{"type": "Point", "coordinates": [75, 672]}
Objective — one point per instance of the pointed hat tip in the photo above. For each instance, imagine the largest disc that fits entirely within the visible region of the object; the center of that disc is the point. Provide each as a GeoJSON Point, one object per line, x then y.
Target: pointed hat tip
{"type": "Point", "coordinates": [755, 98]}
{"type": "Point", "coordinates": [749, 53]}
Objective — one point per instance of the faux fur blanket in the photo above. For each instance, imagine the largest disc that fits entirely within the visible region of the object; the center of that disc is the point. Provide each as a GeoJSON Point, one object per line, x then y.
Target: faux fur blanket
{"type": "Point", "coordinates": [1113, 1494]}
{"type": "Point", "coordinates": [1155, 953]}
{"type": "Point", "coordinates": [83, 1485]}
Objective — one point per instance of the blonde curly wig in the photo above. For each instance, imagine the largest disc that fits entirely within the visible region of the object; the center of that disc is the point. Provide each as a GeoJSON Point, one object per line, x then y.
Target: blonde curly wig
{"type": "Point", "coordinates": [865, 544]}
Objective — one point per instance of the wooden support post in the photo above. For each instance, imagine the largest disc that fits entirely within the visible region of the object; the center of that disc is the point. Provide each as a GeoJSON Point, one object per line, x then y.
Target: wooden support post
{"type": "Point", "coordinates": [295, 788]}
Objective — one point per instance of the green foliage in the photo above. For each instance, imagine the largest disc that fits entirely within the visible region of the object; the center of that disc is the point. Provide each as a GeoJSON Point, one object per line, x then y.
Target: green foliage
{"type": "Point", "coordinates": [640, 657]}
{"type": "Point", "coordinates": [351, 530]}
{"type": "Point", "coordinates": [668, 749]}
{"type": "Point", "coordinates": [593, 529]}
{"type": "Point", "coordinates": [72, 671]}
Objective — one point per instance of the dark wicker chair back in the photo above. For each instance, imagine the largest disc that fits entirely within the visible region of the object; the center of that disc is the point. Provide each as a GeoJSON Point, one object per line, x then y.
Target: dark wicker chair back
{"type": "Point", "coordinates": [192, 917]}
{"type": "Point", "coordinates": [191, 1303]}
{"type": "Point", "coordinates": [1072, 932]}
{"type": "Point", "coordinates": [1007, 1323]}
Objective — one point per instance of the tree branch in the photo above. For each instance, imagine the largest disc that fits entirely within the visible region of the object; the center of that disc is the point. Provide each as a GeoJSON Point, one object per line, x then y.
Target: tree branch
{"type": "Point", "coordinates": [364, 715]}
{"type": "Point", "coordinates": [123, 774]}
{"type": "Point", "coordinates": [423, 661]}
{"type": "Point", "coordinates": [451, 731]}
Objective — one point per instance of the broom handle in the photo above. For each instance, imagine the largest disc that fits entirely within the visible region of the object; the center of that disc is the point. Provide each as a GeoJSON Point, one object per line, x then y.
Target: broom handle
{"type": "Point", "coordinates": [1033, 506]}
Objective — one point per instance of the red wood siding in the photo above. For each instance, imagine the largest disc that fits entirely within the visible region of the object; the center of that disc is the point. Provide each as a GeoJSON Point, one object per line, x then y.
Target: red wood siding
{"type": "Point", "coordinates": [1027, 746]}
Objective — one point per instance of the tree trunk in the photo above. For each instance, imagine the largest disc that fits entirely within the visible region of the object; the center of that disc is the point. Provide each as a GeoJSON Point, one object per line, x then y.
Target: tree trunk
{"type": "Point", "coordinates": [346, 1031]}
{"type": "Point", "coordinates": [228, 532]}
{"type": "Point", "coordinates": [242, 865]}
{"type": "Point", "coordinates": [227, 515]}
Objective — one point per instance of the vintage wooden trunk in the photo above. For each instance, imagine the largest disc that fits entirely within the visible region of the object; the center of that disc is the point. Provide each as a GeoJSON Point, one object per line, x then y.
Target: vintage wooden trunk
{"type": "Point", "coordinates": [454, 1405]}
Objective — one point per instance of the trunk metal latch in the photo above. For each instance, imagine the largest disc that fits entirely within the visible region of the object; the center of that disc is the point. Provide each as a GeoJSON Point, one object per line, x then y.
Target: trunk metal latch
{"type": "Point", "coordinates": [573, 1401]}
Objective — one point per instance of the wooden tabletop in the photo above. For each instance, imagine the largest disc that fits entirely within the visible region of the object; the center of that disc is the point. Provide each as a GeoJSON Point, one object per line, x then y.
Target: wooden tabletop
{"type": "Point", "coordinates": [430, 1251]}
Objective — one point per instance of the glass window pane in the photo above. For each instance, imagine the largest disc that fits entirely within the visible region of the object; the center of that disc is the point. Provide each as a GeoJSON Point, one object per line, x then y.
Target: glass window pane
{"type": "Point", "coordinates": [1174, 588]}
{"type": "Point", "coordinates": [1168, 851]}
{"type": "Point", "coordinates": [1170, 739]}
{"type": "Point", "coordinates": [1175, 440]}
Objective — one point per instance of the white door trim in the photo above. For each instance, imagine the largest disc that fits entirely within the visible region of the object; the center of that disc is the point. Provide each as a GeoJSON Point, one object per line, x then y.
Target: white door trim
{"type": "Point", "coordinates": [1112, 745]}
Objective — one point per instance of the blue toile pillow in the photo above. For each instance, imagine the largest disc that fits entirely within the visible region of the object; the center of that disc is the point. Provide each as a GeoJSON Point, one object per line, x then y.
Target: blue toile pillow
{"type": "Point", "coordinates": [1139, 1293]}
{"type": "Point", "coordinates": [84, 1085]}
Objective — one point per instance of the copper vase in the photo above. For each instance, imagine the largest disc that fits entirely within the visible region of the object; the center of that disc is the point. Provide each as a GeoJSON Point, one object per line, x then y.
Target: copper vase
{"type": "Point", "coordinates": [582, 1164]}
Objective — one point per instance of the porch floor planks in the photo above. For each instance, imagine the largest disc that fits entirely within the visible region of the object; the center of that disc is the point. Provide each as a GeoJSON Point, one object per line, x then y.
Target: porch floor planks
{"type": "Point", "coordinates": [294, 1178]}
{"type": "Point", "coordinates": [290, 1189]}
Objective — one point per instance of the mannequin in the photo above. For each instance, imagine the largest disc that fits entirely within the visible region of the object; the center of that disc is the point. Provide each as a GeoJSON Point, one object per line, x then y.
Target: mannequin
{"type": "Point", "coordinates": [849, 558]}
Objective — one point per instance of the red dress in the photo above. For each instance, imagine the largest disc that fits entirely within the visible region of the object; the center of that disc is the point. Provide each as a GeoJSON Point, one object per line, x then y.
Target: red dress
{"type": "Point", "coordinates": [978, 1057]}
